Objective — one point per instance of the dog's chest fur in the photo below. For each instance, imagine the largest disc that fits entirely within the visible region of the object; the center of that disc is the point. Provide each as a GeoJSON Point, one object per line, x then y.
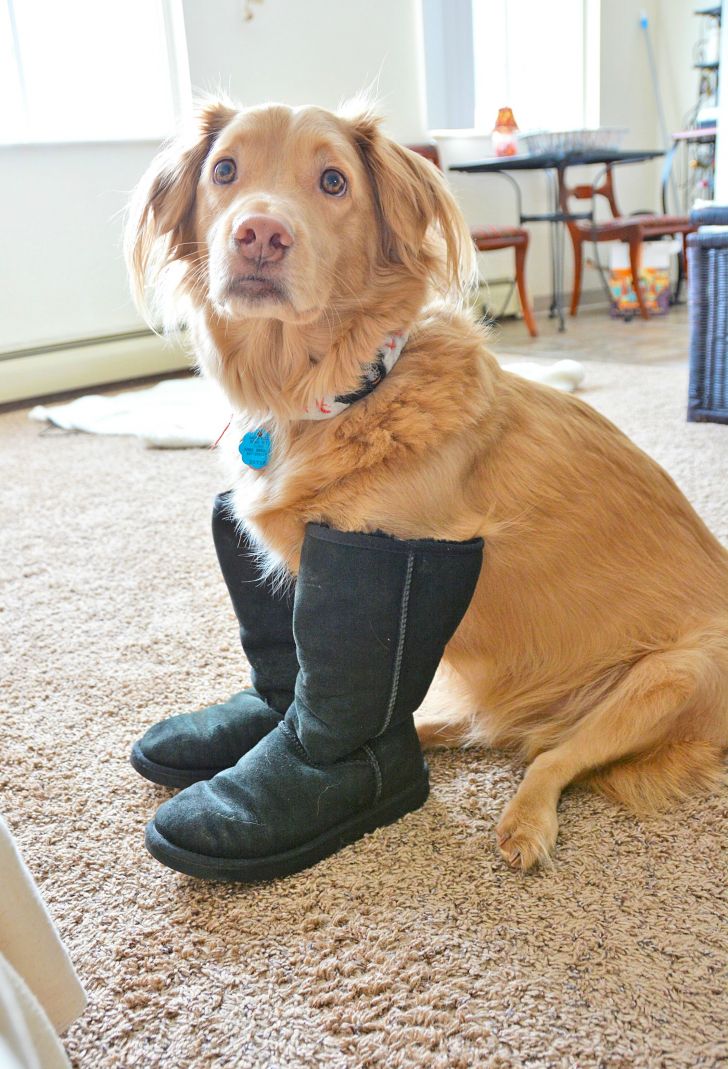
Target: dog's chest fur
{"type": "Point", "coordinates": [391, 462]}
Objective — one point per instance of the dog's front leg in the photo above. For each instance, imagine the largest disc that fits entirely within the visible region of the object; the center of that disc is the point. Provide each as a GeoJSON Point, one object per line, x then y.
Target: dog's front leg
{"type": "Point", "coordinates": [279, 534]}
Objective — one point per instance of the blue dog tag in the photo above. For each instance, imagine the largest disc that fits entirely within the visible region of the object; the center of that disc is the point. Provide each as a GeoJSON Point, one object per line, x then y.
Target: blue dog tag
{"type": "Point", "coordinates": [255, 448]}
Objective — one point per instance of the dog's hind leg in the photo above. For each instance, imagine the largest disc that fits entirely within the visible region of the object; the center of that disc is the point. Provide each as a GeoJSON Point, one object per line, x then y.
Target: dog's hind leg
{"type": "Point", "coordinates": [650, 782]}
{"type": "Point", "coordinates": [655, 703]}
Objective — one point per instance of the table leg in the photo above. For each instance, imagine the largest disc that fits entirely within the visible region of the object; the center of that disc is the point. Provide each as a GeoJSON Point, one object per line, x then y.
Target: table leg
{"type": "Point", "coordinates": [556, 309]}
{"type": "Point", "coordinates": [561, 239]}
{"type": "Point", "coordinates": [552, 250]}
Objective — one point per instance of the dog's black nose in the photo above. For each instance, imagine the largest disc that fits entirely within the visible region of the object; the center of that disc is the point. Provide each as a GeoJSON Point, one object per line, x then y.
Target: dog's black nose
{"type": "Point", "coordinates": [262, 237]}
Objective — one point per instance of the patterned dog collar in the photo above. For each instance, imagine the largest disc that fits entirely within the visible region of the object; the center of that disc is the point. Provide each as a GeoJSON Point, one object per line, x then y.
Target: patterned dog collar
{"type": "Point", "coordinates": [386, 357]}
{"type": "Point", "coordinates": [256, 446]}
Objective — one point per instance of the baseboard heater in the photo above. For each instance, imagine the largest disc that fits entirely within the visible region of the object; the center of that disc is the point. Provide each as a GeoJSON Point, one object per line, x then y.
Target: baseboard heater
{"type": "Point", "coordinates": [84, 363]}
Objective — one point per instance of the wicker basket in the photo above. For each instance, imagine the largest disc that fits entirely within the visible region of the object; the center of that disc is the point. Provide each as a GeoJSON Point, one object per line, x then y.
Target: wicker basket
{"type": "Point", "coordinates": [708, 294]}
{"type": "Point", "coordinates": [572, 140]}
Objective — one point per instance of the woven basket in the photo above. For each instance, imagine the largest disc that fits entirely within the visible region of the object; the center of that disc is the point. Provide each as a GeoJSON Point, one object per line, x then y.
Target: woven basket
{"type": "Point", "coordinates": [708, 297]}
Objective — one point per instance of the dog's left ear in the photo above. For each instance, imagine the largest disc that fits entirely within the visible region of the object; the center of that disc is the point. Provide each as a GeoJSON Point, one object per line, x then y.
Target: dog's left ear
{"type": "Point", "coordinates": [415, 206]}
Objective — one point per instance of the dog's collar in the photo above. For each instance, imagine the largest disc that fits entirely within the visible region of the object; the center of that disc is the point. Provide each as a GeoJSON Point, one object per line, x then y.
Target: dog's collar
{"type": "Point", "coordinates": [373, 373]}
{"type": "Point", "coordinates": [256, 446]}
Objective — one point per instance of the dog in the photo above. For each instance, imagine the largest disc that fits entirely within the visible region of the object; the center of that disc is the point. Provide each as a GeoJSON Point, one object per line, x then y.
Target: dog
{"type": "Point", "coordinates": [596, 645]}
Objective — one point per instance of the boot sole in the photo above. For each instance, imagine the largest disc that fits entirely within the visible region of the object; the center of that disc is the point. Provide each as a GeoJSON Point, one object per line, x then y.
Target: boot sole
{"type": "Point", "coordinates": [249, 870]}
{"type": "Point", "coordinates": [164, 775]}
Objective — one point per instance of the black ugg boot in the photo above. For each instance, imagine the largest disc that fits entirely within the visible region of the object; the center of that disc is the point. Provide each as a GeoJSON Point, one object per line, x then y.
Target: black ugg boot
{"type": "Point", "coordinates": [372, 615]}
{"type": "Point", "coordinates": [183, 749]}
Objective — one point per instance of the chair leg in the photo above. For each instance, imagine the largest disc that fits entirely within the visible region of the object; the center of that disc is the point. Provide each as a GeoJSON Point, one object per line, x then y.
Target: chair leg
{"type": "Point", "coordinates": [685, 256]}
{"type": "Point", "coordinates": [578, 270]}
{"type": "Point", "coordinates": [682, 269]}
{"type": "Point", "coordinates": [521, 251]}
{"type": "Point", "coordinates": [635, 246]}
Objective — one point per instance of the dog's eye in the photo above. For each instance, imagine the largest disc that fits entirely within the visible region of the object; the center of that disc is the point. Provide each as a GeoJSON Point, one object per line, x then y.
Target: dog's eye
{"type": "Point", "coordinates": [224, 172]}
{"type": "Point", "coordinates": [333, 182]}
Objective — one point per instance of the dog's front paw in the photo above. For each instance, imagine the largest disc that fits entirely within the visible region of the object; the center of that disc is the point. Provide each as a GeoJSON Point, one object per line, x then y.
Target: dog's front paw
{"type": "Point", "coordinates": [526, 834]}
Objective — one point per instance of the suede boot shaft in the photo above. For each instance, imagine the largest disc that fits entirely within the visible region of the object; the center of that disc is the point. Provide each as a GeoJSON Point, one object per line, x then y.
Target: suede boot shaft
{"type": "Point", "coordinates": [264, 609]}
{"type": "Point", "coordinates": [372, 617]}
{"type": "Point", "coordinates": [189, 747]}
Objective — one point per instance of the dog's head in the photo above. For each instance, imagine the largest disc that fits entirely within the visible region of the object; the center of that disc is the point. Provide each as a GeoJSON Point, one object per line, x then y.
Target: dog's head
{"type": "Point", "coordinates": [287, 213]}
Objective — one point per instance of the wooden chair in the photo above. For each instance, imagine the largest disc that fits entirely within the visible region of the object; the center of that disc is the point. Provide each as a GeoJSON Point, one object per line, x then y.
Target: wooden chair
{"type": "Point", "coordinates": [632, 229]}
{"type": "Point", "coordinates": [489, 238]}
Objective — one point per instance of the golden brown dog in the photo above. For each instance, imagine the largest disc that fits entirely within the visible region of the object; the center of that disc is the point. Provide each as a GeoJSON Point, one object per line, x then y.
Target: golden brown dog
{"type": "Point", "coordinates": [597, 639]}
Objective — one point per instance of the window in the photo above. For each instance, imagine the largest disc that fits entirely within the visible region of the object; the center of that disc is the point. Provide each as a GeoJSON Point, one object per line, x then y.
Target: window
{"type": "Point", "coordinates": [90, 70]}
{"type": "Point", "coordinates": [530, 55]}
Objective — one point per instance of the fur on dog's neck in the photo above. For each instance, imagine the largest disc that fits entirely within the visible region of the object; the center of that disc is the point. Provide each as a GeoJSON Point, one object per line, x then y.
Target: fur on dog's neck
{"type": "Point", "coordinates": [270, 368]}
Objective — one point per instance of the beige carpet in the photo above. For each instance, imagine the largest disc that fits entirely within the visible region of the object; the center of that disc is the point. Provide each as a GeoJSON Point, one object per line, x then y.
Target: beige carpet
{"type": "Point", "coordinates": [416, 947]}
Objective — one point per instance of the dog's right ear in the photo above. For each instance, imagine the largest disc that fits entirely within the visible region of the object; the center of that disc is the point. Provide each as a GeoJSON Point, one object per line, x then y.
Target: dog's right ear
{"type": "Point", "coordinates": [159, 226]}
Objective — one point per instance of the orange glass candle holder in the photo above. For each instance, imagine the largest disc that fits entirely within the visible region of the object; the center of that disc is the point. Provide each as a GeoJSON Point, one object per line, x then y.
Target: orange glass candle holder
{"type": "Point", "coordinates": [504, 134]}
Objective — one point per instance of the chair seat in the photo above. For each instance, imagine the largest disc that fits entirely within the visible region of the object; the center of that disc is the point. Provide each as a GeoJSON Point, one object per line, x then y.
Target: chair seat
{"type": "Point", "coordinates": [624, 226]}
{"type": "Point", "coordinates": [498, 237]}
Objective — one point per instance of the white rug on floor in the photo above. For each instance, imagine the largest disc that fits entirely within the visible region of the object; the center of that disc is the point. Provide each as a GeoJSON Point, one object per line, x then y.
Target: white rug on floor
{"type": "Point", "coordinates": [192, 413]}
{"type": "Point", "coordinates": [176, 414]}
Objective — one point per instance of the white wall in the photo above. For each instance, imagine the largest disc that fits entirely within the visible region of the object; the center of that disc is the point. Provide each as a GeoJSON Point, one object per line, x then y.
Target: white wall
{"type": "Point", "coordinates": [677, 36]}
{"type": "Point", "coordinates": [61, 270]}
{"type": "Point", "coordinates": [626, 94]}
{"type": "Point", "coordinates": [311, 52]}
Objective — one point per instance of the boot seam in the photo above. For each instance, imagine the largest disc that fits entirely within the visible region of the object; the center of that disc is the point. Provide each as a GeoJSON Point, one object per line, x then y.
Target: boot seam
{"type": "Point", "coordinates": [300, 703]}
{"type": "Point", "coordinates": [291, 734]}
{"type": "Point", "coordinates": [404, 609]}
{"type": "Point", "coordinates": [376, 770]}
{"type": "Point", "coordinates": [283, 726]}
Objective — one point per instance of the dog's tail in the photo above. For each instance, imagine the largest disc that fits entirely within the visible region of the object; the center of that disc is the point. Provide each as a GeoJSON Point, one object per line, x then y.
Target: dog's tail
{"type": "Point", "coordinates": [651, 782]}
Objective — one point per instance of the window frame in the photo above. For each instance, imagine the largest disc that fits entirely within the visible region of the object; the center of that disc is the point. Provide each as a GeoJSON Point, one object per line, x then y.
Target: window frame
{"type": "Point", "coordinates": [446, 82]}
